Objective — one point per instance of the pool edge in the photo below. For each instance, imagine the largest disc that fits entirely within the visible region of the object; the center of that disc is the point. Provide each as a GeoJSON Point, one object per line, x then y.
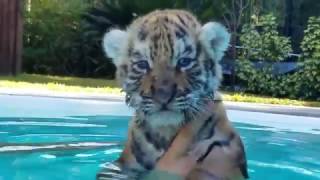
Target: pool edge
{"type": "Point", "coordinates": [240, 106]}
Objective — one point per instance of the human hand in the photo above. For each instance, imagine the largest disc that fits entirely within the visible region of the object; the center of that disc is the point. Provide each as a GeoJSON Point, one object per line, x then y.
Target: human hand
{"type": "Point", "coordinates": [176, 160]}
{"type": "Point", "coordinates": [180, 166]}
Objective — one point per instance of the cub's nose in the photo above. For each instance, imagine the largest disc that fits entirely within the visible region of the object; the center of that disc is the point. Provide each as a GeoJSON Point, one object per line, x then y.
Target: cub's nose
{"type": "Point", "coordinates": [163, 93]}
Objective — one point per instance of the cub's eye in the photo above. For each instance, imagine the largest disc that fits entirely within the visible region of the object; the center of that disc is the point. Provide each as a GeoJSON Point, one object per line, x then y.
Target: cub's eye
{"type": "Point", "coordinates": [184, 62]}
{"type": "Point", "coordinates": [142, 65]}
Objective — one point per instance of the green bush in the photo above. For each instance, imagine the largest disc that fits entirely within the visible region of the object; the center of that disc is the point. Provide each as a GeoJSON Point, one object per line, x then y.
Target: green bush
{"type": "Point", "coordinates": [55, 40]}
{"type": "Point", "coordinates": [262, 43]}
{"type": "Point", "coordinates": [51, 27]}
{"type": "Point", "coordinates": [304, 84]}
{"type": "Point", "coordinates": [308, 78]}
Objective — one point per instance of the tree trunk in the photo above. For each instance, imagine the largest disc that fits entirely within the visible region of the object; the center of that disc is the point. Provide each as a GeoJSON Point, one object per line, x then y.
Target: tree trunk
{"type": "Point", "coordinates": [10, 36]}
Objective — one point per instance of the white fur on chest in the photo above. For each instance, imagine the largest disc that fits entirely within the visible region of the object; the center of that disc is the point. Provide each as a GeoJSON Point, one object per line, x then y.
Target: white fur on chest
{"type": "Point", "coordinates": [165, 118]}
{"type": "Point", "coordinates": [155, 136]}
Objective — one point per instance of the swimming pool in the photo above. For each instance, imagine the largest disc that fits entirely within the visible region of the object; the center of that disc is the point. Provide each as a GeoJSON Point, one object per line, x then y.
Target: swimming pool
{"type": "Point", "coordinates": [52, 139]}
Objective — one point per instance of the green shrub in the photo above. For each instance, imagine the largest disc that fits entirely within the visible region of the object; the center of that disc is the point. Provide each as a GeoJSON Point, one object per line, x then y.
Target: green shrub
{"type": "Point", "coordinates": [51, 28]}
{"type": "Point", "coordinates": [308, 78]}
{"type": "Point", "coordinates": [262, 43]}
{"type": "Point", "coordinates": [304, 84]}
{"type": "Point", "coordinates": [55, 40]}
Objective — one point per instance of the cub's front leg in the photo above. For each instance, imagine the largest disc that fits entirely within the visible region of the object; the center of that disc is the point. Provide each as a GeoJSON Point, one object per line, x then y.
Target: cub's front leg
{"type": "Point", "coordinates": [222, 151]}
{"type": "Point", "coordinates": [221, 160]}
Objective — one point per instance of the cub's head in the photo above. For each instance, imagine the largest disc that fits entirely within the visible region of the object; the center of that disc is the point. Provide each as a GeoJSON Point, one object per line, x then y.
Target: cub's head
{"type": "Point", "coordinates": [167, 63]}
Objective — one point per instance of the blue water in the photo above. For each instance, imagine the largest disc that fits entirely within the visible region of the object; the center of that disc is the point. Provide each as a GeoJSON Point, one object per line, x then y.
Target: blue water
{"type": "Point", "coordinates": [76, 147]}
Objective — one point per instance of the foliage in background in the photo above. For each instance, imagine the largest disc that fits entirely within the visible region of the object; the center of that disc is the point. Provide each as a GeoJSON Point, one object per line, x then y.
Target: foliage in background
{"type": "Point", "coordinates": [262, 41]}
{"type": "Point", "coordinates": [51, 28]}
{"type": "Point", "coordinates": [308, 78]}
{"type": "Point", "coordinates": [262, 44]}
{"type": "Point", "coordinates": [305, 83]}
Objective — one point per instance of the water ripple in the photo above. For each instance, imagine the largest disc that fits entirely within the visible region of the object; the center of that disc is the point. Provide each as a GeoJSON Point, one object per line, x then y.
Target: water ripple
{"type": "Point", "coordinates": [299, 170]}
{"type": "Point", "coordinates": [50, 124]}
{"type": "Point", "coordinates": [17, 148]}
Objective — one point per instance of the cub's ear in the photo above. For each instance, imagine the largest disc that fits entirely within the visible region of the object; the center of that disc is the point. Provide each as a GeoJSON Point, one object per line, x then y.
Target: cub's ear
{"type": "Point", "coordinates": [215, 39]}
{"type": "Point", "coordinates": [113, 42]}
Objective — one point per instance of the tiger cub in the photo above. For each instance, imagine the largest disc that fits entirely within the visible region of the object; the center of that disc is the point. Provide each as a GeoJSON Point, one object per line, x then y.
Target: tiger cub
{"type": "Point", "coordinates": [168, 66]}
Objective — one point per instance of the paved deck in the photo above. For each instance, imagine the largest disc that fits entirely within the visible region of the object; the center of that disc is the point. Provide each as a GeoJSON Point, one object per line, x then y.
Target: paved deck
{"type": "Point", "coordinates": [240, 106]}
{"type": "Point", "coordinates": [275, 109]}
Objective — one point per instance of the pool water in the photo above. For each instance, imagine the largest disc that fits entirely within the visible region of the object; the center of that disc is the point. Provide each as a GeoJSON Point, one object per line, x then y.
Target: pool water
{"type": "Point", "coordinates": [61, 148]}
{"type": "Point", "coordinates": [76, 147]}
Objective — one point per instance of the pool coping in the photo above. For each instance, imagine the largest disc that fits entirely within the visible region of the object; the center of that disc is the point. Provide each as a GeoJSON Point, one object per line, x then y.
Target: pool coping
{"type": "Point", "coordinates": [240, 106]}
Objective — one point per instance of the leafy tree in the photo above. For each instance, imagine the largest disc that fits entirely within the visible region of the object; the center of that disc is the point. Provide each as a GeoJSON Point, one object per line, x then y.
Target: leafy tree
{"type": "Point", "coordinates": [308, 79]}
{"type": "Point", "coordinates": [262, 42]}
{"type": "Point", "coordinates": [50, 30]}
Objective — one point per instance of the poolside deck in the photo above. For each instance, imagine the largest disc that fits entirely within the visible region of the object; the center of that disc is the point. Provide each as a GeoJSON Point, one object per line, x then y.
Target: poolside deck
{"type": "Point", "coordinates": [240, 106]}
